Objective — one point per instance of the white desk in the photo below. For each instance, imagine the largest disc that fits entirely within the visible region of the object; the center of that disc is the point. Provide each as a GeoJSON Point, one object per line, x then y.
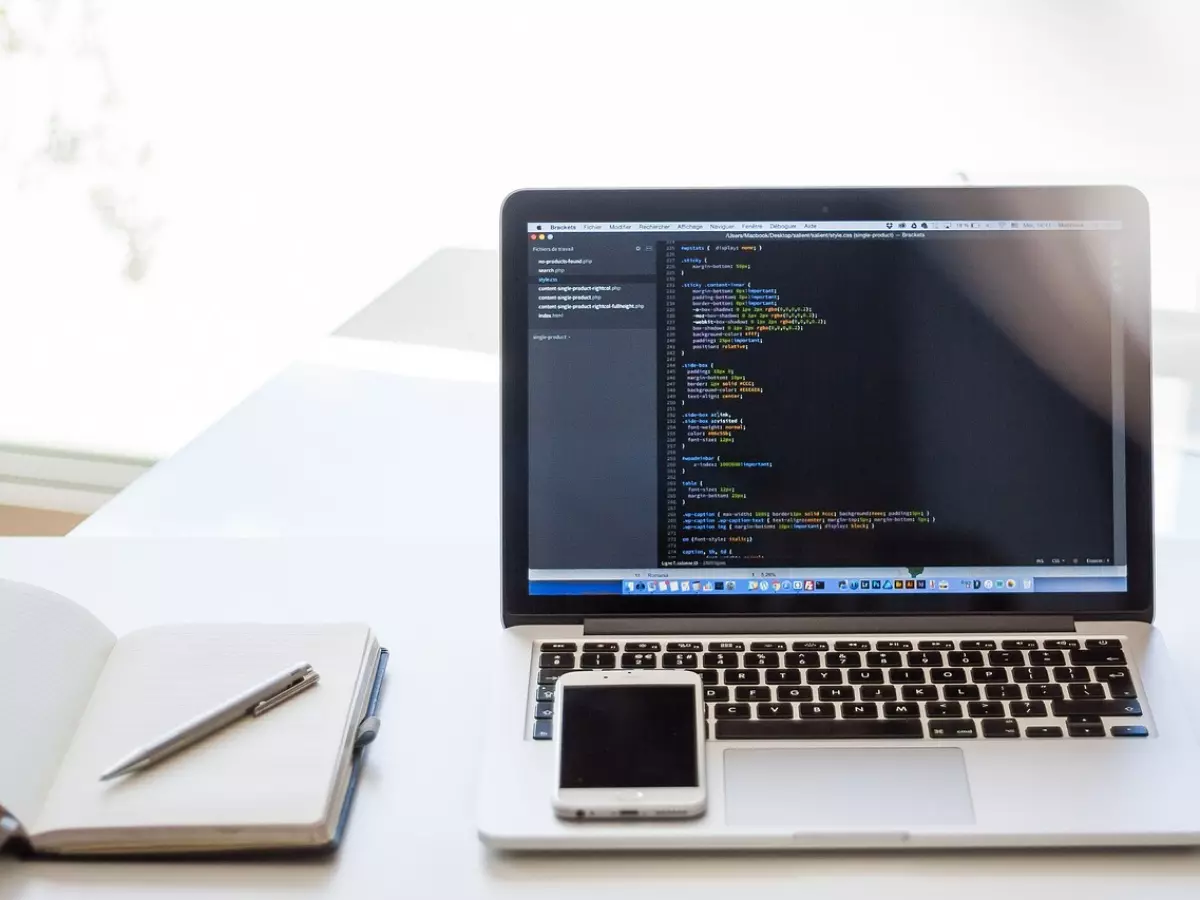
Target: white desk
{"type": "Point", "coordinates": [412, 830]}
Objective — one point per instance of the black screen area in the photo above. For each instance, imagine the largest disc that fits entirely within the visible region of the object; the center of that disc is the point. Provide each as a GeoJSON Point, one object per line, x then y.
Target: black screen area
{"type": "Point", "coordinates": [842, 403]}
{"type": "Point", "coordinates": [618, 737]}
{"type": "Point", "coordinates": [941, 399]}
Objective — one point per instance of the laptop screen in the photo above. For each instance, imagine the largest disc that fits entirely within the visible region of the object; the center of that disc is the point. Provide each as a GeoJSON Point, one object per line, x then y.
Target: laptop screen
{"type": "Point", "coordinates": [885, 406]}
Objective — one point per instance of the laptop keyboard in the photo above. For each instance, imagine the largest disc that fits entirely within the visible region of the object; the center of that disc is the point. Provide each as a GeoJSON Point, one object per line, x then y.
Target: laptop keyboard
{"type": "Point", "coordinates": [958, 688]}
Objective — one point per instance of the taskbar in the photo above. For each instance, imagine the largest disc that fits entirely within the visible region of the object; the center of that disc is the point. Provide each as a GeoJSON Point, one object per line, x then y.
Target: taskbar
{"type": "Point", "coordinates": [682, 587]}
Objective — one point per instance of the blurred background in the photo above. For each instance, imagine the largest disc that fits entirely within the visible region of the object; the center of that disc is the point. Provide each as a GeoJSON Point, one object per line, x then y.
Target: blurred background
{"type": "Point", "coordinates": [193, 196]}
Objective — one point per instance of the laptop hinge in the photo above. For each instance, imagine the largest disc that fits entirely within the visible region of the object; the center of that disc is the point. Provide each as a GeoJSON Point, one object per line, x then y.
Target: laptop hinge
{"type": "Point", "coordinates": [830, 625]}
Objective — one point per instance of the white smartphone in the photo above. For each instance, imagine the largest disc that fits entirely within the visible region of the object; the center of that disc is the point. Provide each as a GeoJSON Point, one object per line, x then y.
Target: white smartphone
{"type": "Point", "coordinates": [630, 744]}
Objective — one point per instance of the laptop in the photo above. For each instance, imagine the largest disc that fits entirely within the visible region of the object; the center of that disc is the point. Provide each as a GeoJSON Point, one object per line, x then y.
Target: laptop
{"type": "Point", "coordinates": [876, 464]}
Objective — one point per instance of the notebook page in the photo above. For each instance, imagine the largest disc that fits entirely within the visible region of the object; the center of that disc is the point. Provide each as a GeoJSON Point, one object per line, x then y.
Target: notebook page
{"type": "Point", "coordinates": [51, 653]}
{"type": "Point", "coordinates": [276, 770]}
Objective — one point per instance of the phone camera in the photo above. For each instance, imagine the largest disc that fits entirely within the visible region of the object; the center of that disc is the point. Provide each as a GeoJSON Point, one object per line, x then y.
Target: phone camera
{"type": "Point", "coordinates": [579, 813]}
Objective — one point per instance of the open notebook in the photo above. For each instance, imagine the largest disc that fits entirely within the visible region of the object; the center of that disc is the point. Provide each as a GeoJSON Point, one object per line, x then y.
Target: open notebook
{"type": "Point", "coordinates": [74, 699]}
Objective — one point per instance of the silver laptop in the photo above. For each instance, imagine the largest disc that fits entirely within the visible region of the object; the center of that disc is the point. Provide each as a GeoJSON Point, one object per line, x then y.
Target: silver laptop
{"type": "Point", "coordinates": [876, 464]}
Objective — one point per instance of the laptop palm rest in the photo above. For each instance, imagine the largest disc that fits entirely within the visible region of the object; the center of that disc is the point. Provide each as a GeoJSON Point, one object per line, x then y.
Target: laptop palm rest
{"type": "Point", "coordinates": [817, 789]}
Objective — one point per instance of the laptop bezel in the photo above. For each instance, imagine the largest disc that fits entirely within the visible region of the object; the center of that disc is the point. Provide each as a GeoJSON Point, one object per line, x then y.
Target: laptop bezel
{"type": "Point", "coordinates": [1074, 202]}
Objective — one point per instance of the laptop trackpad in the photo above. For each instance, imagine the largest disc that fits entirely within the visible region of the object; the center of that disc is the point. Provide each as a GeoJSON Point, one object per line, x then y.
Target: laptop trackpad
{"type": "Point", "coordinates": [822, 788]}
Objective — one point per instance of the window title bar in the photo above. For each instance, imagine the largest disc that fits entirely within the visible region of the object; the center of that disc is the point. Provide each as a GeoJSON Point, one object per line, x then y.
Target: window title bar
{"type": "Point", "coordinates": [829, 225]}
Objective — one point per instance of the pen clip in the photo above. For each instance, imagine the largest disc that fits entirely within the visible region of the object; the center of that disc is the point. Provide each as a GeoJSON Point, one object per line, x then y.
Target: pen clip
{"type": "Point", "coordinates": [307, 680]}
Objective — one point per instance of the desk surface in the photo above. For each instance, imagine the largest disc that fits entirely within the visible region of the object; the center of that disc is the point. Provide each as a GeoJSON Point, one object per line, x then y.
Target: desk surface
{"type": "Point", "coordinates": [412, 832]}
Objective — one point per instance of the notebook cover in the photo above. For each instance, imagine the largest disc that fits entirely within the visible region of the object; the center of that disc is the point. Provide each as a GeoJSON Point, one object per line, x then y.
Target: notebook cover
{"type": "Point", "coordinates": [24, 849]}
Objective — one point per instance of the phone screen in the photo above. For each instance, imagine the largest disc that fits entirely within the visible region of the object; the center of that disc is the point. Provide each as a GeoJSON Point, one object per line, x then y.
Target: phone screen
{"type": "Point", "coordinates": [628, 736]}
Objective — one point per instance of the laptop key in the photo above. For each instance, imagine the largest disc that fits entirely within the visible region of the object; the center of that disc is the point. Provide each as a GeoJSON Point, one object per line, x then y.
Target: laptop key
{"type": "Point", "coordinates": [1129, 731]}
{"type": "Point", "coordinates": [1097, 708]}
{"type": "Point", "coordinates": [721, 661]}
{"type": "Point", "coordinates": [919, 692]}
{"type": "Point", "coordinates": [906, 676]}
{"type": "Point", "coordinates": [901, 711]}
{"type": "Point", "coordinates": [1061, 644]}
{"type": "Point", "coordinates": [790, 692]}
{"type": "Point", "coordinates": [885, 659]}
{"type": "Point", "coordinates": [774, 710]}
{"type": "Point", "coordinates": [558, 646]}
{"type": "Point", "coordinates": [860, 711]}
{"type": "Point", "coordinates": [708, 676]}
{"type": "Point", "coordinates": [761, 660]}
{"type": "Point", "coordinates": [1028, 708]}
{"type": "Point", "coordinates": [817, 710]}
{"type": "Point", "coordinates": [545, 693]}
{"type": "Point", "coordinates": [960, 692]}
{"type": "Point", "coordinates": [803, 660]}
{"type": "Point", "coordinates": [600, 647]}
{"type": "Point", "coordinates": [680, 661]}
{"type": "Point", "coordinates": [947, 676]}
{"type": "Point", "coordinates": [556, 661]}
{"type": "Point", "coordinates": [843, 659]}
{"type": "Point", "coordinates": [550, 676]}
{"type": "Point", "coordinates": [945, 709]}
{"type": "Point", "coordinates": [1029, 674]}
{"type": "Point", "coordinates": [977, 645]}
{"type": "Point", "coordinates": [684, 647]}
{"type": "Point", "coordinates": [1085, 730]}
{"type": "Point", "coordinates": [1002, 692]}
{"type": "Point", "coordinates": [597, 660]}
{"type": "Point", "coordinates": [836, 692]}
{"type": "Point", "coordinates": [1006, 658]}
{"type": "Point", "coordinates": [1120, 684]}
{"type": "Point", "coordinates": [935, 645]}
{"type": "Point", "coordinates": [1001, 728]}
{"type": "Point", "coordinates": [1071, 673]}
{"type": "Point", "coordinates": [818, 729]}
{"type": "Point", "coordinates": [877, 692]}
{"type": "Point", "coordinates": [752, 692]}
{"type": "Point", "coordinates": [893, 645]}
{"type": "Point", "coordinates": [732, 711]}
{"type": "Point", "coordinates": [851, 645]}
{"type": "Point", "coordinates": [1043, 731]}
{"type": "Point", "coordinates": [543, 711]}
{"type": "Point", "coordinates": [716, 694]}
{"type": "Point", "coordinates": [964, 658]}
{"type": "Point", "coordinates": [642, 646]}
{"type": "Point", "coordinates": [1102, 643]}
{"type": "Point", "coordinates": [925, 658]}
{"type": "Point", "coordinates": [1047, 658]}
{"type": "Point", "coordinates": [952, 728]}
{"type": "Point", "coordinates": [639, 661]}
{"type": "Point", "coordinates": [543, 729]}
{"type": "Point", "coordinates": [980, 709]}
{"type": "Point", "coordinates": [741, 676]}
{"type": "Point", "coordinates": [1090, 691]}
{"type": "Point", "coordinates": [783, 676]}
{"type": "Point", "coordinates": [810, 645]}
{"type": "Point", "coordinates": [1044, 692]}
{"type": "Point", "coordinates": [989, 675]}
{"type": "Point", "coordinates": [1099, 657]}
{"type": "Point", "coordinates": [824, 676]}
{"type": "Point", "coordinates": [733, 646]}
{"type": "Point", "coordinates": [866, 676]}
{"type": "Point", "coordinates": [1020, 644]}
{"type": "Point", "coordinates": [768, 645]}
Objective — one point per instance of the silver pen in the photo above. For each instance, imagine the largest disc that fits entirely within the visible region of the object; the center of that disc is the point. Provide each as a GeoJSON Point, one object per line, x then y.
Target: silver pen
{"type": "Point", "coordinates": [253, 702]}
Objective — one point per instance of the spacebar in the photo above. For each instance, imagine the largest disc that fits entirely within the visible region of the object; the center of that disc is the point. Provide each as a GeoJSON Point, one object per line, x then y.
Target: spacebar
{"type": "Point", "coordinates": [798, 729]}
